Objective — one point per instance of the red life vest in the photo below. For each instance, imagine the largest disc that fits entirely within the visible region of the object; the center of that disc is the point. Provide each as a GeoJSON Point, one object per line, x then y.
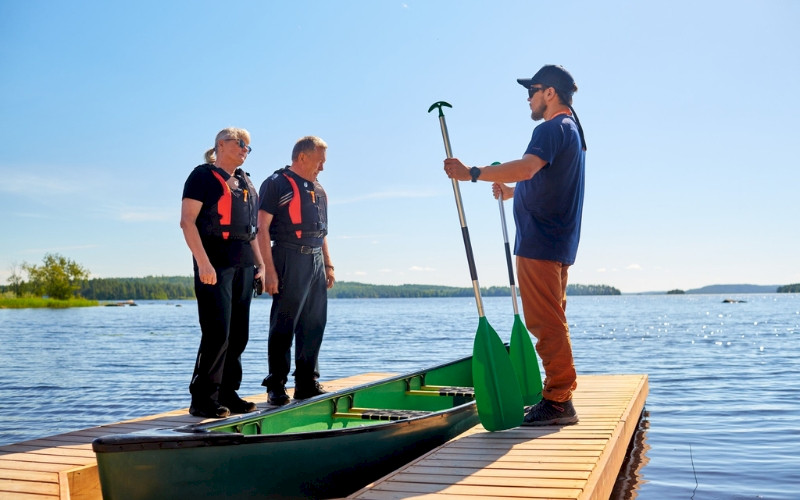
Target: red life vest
{"type": "Point", "coordinates": [233, 216]}
{"type": "Point", "coordinates": [297, 228]}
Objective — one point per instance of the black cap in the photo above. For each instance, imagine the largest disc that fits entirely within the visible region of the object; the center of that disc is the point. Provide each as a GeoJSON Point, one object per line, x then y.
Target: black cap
{"type": "Point", "coordinates": [554, 76]}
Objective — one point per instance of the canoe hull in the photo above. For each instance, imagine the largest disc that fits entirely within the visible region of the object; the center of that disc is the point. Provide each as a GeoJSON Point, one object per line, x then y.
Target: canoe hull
{"type": "Point", "coordinates": [288, 456]}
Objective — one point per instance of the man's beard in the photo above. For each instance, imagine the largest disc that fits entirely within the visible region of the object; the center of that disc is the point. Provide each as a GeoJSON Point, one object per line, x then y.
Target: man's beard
{"type": "Point", "coordinates": [537, 114]}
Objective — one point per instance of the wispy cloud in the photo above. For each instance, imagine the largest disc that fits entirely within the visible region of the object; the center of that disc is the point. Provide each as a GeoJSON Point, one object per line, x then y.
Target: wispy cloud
{"type": "Point", "coordinates": [634, 267]}
{"type": "Point", "coordinates": [385, 195]}
{"type": "Point", "coordinates": [31, 215]}
{"type": "Point", "coordinates": [146, 215]}
{"type": "Point", "coordinates": [39, 251]}
{"type": "Point", "coordinates": [37, 186]}
{"type": "Point", "coordinates": [421, 269]}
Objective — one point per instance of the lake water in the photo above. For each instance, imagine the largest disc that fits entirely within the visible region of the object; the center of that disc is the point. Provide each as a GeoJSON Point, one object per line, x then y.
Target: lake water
{"type": "Point", "coordinates": [724, 416]}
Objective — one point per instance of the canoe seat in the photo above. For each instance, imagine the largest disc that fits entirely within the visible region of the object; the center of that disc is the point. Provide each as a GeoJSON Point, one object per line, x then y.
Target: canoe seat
{"type": "Point", "coordinates": [438, 390]}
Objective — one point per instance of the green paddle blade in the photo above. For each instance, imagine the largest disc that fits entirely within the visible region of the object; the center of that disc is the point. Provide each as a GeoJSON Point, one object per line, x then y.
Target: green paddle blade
{"type": "Point", "coordinates": [525, 363]}
{"type": "Point", "coordinates": [497, 391]}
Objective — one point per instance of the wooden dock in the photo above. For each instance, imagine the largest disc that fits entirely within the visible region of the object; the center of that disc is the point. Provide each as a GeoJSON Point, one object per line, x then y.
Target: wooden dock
{"type": "Point", "coordinates": [578, 461]}
{"type": "Point", "coordinates": [64, 466]}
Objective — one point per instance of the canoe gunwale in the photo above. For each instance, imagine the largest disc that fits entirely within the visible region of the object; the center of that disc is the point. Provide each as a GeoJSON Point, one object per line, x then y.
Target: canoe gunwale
{"type": "Point", "coordinates": [172, 440]}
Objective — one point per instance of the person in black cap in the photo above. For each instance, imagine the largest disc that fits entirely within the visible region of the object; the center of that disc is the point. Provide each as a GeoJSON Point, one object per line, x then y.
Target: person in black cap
{"type": "Point", "coordinates": [548, 203]}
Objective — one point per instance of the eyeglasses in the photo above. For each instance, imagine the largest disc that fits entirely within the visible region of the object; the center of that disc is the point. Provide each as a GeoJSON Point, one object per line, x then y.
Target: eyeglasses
{"type": "Point", "coordinates": [242, 144]}
{"type": "Point", "coordinates": [534, 90]}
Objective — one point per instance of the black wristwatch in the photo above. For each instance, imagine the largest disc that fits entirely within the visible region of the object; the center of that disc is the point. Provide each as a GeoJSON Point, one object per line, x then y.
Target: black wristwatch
{"type": "Point", "coordinates": [474, 172]}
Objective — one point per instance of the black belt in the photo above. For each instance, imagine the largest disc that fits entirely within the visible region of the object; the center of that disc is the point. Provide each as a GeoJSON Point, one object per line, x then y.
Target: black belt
{"type": "Point", "coordinates": [300, 248]}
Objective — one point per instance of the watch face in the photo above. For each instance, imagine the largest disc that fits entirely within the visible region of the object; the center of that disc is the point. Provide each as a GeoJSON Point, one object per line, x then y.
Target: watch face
{"type": "Point", "coordinates": [474, 172]}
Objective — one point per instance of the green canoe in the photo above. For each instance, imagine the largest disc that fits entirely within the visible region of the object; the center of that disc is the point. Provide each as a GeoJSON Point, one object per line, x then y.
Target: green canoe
{"type": "Point", "coordinates": [327, 446]}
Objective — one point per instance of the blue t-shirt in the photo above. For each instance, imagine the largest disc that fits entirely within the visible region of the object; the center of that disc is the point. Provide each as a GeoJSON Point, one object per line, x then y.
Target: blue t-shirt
{"type": "Point", "coordinates": [548, 207]}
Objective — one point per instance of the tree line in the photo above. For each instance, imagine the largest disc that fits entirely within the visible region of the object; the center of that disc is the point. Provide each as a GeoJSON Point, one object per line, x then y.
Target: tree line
{"type": "Point", "coordinates": [61, 278]}
{"type": "Point", "coordinates": [147, 288]}
{"type": "Point", "coordinates": [182, 287]}
{"type": "Point", "coordinates": [346, 290]}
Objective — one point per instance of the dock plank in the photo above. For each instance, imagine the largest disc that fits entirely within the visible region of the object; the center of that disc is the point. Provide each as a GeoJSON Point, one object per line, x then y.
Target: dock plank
{"type": "Point", "coordinates": [13, 487]}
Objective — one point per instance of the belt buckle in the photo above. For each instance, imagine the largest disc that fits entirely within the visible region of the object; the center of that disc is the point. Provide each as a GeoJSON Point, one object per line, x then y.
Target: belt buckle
{"type": "Point", "coordinates": [306, 250]}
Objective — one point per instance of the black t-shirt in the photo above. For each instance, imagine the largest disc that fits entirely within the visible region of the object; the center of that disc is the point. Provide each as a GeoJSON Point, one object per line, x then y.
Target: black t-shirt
{"type": "Point", "coordinates": [204, 187]}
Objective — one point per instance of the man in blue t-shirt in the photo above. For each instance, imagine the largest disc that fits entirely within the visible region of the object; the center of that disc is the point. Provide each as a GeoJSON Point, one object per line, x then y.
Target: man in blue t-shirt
{"type": "Point", "coordinates": [548, 203]}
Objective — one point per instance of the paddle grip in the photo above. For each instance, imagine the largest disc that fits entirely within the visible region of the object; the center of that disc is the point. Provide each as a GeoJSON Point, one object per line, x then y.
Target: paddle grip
{"type": "Point", "coordinates": [510, 266]}
{"type": "Point", "coordinates": [473, 272]}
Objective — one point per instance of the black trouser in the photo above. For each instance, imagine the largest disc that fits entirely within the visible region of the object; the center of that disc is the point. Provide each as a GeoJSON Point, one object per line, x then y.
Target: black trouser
{"type": "Point", "coordinates": [299, 312]}
{"type": "Point", "coordinates": [224, 311]}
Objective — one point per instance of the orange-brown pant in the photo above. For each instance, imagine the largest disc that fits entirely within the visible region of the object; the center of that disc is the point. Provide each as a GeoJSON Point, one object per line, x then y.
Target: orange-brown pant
{"type": "Point", "coordinates": [543, 289]}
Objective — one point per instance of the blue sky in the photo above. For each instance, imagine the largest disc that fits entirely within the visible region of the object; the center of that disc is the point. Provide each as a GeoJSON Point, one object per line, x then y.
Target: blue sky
{"type": "Point", "coordinates": [690, 111]}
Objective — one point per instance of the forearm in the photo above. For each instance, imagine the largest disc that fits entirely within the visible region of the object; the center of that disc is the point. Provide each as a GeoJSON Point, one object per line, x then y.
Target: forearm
{"type": "Point", "coordinates": [326, 259]}
{"type": "Point", "coordinates": [195, 244]}
{"type": "Point", "coordinates": [512, 171]}
{"type": "Point", "coordinates": [263, 247]}
{"type": "Point", "coordinates": [326, 256]}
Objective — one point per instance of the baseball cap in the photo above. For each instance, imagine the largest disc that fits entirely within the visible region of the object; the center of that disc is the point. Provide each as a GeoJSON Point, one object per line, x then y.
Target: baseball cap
{"type": "Point", "coordinates": [552, 75]}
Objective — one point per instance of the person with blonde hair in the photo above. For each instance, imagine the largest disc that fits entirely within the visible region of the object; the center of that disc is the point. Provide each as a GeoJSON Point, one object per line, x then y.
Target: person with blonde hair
{"type": "Point", "coordinates": [292, 235]}
{"type": "Point", "coordinates": [219, 215]}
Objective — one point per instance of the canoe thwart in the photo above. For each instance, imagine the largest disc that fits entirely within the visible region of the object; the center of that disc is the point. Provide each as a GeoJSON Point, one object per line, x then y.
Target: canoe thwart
{"type": "Point", "coordinates": [438, 390]}
{"type": "Point", "coordinates": [380, 414]}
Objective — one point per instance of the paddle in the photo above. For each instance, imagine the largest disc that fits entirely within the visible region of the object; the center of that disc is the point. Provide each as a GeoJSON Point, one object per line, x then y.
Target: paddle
{"type": "Point", "coordinates": [497, 393]}
{"type": "Point", "coordinates": [521, 351]}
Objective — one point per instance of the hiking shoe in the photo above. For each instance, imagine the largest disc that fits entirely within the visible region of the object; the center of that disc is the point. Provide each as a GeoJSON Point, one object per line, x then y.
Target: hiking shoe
{"type": "Point", "coordinates": [237, 404]}
{"type": "Point", "coordinates": [277, 396]}
{"type": "Point", "coordinates": [547, 412]}
{"type": "Point", "coordinates": [210, 409]}
{"type": "Point", "coordinates": [305, 391]}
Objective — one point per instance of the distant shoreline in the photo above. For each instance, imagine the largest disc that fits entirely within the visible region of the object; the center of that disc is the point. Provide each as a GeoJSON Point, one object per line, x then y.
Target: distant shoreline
{"type": "Point", "coordinates": [117, 291]}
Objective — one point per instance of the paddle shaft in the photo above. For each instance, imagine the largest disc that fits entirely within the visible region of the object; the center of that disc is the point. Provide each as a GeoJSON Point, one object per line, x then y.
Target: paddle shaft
{"type": "Point", "coordinates": [508, 255]}
{"type": "Point", "coordinates": [462, 219]}
{"type": "Point", "coordinates": [521, 351]}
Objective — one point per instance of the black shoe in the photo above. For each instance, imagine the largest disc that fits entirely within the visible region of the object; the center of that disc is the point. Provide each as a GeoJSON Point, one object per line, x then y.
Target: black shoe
{"type": "Point", "coordinates": [237, 404]}
{"type": "Point", "coordinates": [277, 396]}
{"type": "Point", "coordinates": [210, 409]}
{"type": "Point", "coordinates": [547, 412]}
{"type": "Point", "coordinates": [305, 391]}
